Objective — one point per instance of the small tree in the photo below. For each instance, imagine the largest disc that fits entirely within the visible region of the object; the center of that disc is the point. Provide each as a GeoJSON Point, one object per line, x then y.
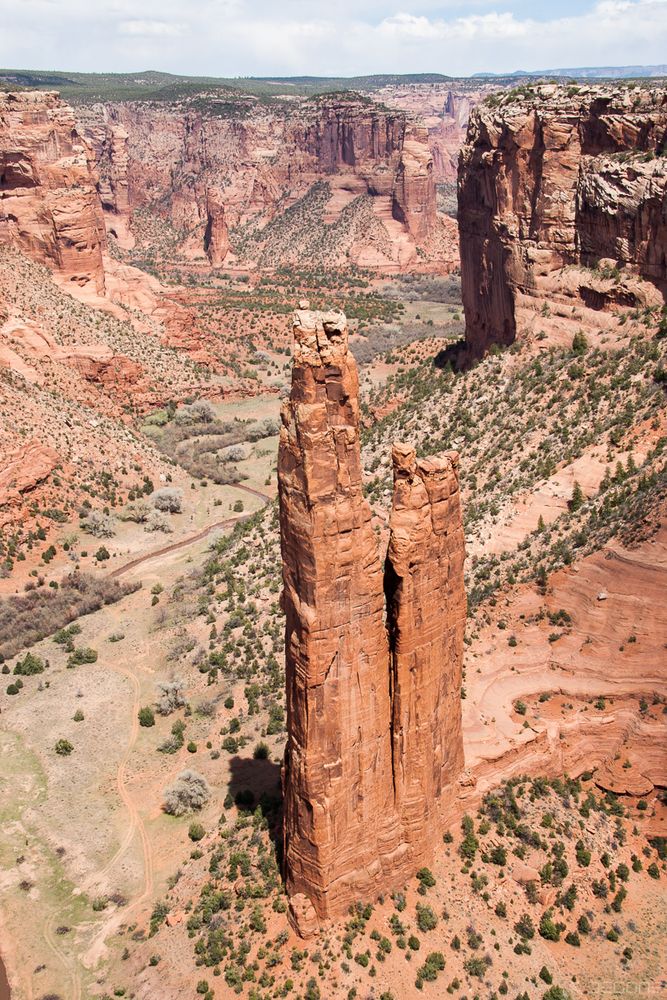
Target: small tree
{"type": "Point", "coordinates": [577, 498]}
{"type": "Point", "coordinates": [146, 717]}
{"type": "Point", "coordinates": [189, 793]}
{"type": "Point", "coordinates": [579, 343]}
{"type": "Point", "coordinates": [99, 525]}
{"type": "Point", "coordinates": [170, 696]}
{"type": "Point", "coordinates": [169, 500]}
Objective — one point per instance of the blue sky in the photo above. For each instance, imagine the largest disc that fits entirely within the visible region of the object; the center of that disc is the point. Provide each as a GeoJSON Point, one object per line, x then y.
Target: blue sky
{"type": "Point", "coordinates": [336, 37]}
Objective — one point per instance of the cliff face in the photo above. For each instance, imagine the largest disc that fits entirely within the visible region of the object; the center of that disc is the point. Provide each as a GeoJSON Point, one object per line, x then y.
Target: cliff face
{"type": "Point", "coordinates": [49, 206]}
{"type": "Point", "coordinates": [554, 179]}
{"type": "Point", "coordinates": [426, 611]}
{"type": "Point", "coordinates": [259, 161]}
{"type": "Point", "coordinates": [373, 710]}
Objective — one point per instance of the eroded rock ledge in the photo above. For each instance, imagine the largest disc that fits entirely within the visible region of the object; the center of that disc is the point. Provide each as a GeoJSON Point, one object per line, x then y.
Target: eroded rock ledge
{"type": "Point", "coordinates": [560, 177]}
{"type": "Point", "coordinates": [373, 682]}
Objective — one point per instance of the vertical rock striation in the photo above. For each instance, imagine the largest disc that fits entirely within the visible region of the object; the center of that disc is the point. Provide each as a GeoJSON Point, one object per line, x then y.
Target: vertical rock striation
{"type": "Point", "coordinates": [341, 829]}
{"type": "Point", "coordinates": [426, 611]}
{"type": "Point", "coordinates": [49, 205]}
{"type": "Point", "coordinates": [555, 178]}
{"type": "Point", "coordinates": [373, 703]}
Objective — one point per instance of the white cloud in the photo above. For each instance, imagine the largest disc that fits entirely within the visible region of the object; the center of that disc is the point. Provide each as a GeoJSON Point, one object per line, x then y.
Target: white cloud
{"type": "Point", "coordinates": [151, 28]}
{"type": "Point", "coordinates": [494, 25]}
{"type": "Point", "coordinates": [262, 37]}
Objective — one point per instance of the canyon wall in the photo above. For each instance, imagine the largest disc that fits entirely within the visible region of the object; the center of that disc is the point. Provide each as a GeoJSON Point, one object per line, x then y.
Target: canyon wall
{"type": "Point", "coordinates": [49, 205]}
{"type": "Point", "coordinates": [553, 178]}
{"type": "Point", "coordinates": [258, 160]}
{"type": "Point", "coordinates": [373, 708]}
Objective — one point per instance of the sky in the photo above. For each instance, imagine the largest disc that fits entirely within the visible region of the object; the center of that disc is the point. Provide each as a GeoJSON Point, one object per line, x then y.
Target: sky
{"type": "Point", "coordinates": [329, 37]}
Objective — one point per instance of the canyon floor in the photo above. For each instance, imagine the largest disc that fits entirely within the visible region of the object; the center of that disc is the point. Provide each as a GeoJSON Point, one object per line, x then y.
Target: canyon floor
{"type": "Point", "coordinates": [541, 882]}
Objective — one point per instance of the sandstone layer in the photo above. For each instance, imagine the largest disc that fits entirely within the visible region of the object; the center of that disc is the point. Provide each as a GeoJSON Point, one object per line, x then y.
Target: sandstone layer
{"type": "Point", "coordinates": [556, 178]}
{"type": "Point", "coordinates": [213, 170]}
{"type": "Point", "coordinates": [373, 707]}
{"type": "Point", "coordinates": [49, 206]}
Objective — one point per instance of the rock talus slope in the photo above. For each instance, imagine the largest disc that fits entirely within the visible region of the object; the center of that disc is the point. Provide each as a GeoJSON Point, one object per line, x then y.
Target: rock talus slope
{"type": "Point", "coordinates": [558, 178]}
{"type": "Point", "coordinates": [49, 206]}
{"type": "Point", "coordinates": [373, 708]}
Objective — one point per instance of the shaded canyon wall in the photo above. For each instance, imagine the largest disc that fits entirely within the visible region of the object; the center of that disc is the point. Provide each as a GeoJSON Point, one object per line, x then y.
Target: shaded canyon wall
{"type": "Point", "coordinates": [559, 177]}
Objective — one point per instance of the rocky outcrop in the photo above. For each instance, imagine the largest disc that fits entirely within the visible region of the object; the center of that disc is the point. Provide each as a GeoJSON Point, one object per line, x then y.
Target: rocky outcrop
{"type": "Point", "coordinates": [216, 237]}
{"type": "Point", "coordinates": [49, 206]}
{"type": "Point", "coordinates": [414, 187]}
{"type": "Point", "coordinates": [373, 710]}
{"type": "Point", "coordinates": [342, 831]}
{"type": "Point", "coordinates": [21, 470]}
{"type": "Point", "coordinates": [554, 178]}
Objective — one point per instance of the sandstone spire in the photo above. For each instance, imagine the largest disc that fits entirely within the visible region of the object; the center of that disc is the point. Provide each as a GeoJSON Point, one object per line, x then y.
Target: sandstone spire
{"type": "Point", "coordinates": [373, 709]}
{"type": "Point", "coordinates": [341, 829]}
{"type": "Point", "coordinates": [426, 618]}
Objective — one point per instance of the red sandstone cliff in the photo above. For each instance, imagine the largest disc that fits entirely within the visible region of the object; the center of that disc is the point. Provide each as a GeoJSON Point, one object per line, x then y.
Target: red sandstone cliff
{"type": "Point", "coordinates": [49, 206]}
{"type": "Point", "coordinates": [245, 162]}
{"type": "Point", "coordinates": [373, 709]}
{"type": "Point", "coordinates": [553, 179]}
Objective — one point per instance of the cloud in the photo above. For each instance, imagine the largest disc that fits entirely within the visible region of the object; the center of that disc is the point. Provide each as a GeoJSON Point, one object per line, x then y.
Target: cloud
{"type": "Point", "coordinates": [494, 25]}
{"type": "Point", "coordinates": [348, 37]}
{"type": "Point", "coordinates": [151, 28]}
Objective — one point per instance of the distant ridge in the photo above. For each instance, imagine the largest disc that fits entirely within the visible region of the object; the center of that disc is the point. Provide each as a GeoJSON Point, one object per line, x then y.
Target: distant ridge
{"type": "Point", "coordinates": [585, 72]}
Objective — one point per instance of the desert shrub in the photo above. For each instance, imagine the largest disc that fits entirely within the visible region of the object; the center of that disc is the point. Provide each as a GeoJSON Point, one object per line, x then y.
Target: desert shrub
{"type": "Point", "coordinates": [63, 747]}
{"type": "Point", "coordinates": [426, 918]}
{"type": "Point", "coordinates": [199, 412]}
{"type": "Point", "coordinates": [102, 554]}
{"type": "Point", "coordinates": [261, 751]}
{"type": "Point", "coordinates": [99, 525]}
{"type": "Point", "coordinates": [170, 696]}
{"type": "Point", "coordinates": [136, 511]}
{"type": "Point", "coordinates": [158, 521]}
{"type": "Point", "coordinates": [268, 427]}
{"type": "Point", "coordinates": [190, 792]}
{"type": "Point", "coordinates": [146, 717]}
{"type": "Point", "coordinates": [29, 665]}
{"type": "Point", "coordinates": [168, 500]}
{"type": "Point", "coordinates": [196, 832]}
{"type": "Point", "coordinates": [84, 654]}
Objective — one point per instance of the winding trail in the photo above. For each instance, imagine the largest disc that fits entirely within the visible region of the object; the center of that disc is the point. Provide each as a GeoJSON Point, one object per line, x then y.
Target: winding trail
{"type": "Point", "coordinates": [191, 539]}
{"type": "Point", "coordinates": [135, 823]}
{"type": "Point", "coordinates": [68, 963]}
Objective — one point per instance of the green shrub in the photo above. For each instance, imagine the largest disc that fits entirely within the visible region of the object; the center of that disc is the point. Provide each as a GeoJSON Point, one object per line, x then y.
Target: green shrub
{"type": "Point", "coordinates": [63, 747]}
{"type": "Point", "coordinates": [146, 717]}
{"type": "Point", "coordinates": [29, 665]}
